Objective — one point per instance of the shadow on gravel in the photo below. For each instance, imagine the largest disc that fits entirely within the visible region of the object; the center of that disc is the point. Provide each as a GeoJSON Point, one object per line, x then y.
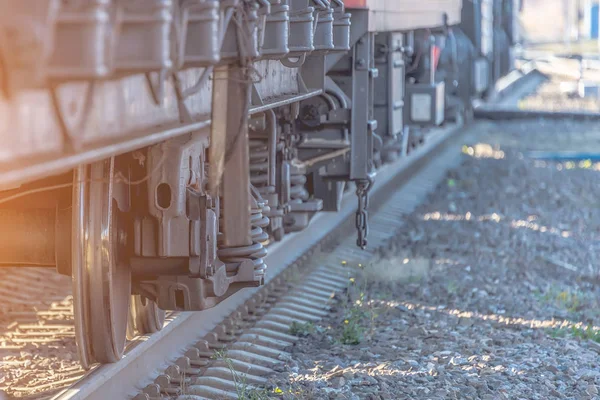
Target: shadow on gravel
{"type": "Point", "coordinates": [38, 355]}
{"type": "Point", "coordinates": [489, 291]}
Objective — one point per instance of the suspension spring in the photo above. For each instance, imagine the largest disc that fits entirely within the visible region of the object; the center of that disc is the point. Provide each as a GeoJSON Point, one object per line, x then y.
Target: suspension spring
{"type": "Point", "coordinates": [298, 192]}
{"type": "Point", "coordinates": [233, 256]}
{"type": "Point", "coordinates": [264, 147]}
{"type": "Point", "coordinates": [259, 166]}
{"type": "Point", "coordinates": [298, 218]}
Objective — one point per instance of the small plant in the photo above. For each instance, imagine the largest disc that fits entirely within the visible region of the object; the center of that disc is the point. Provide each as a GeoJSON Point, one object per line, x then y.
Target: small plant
{"type": "Point", "coordinates": [290, 392]}
{"type": "Point", "coordinates": [219, 354]}
{"type": "Point", "coordinates": [352, 329]}
{"type": "Point", "coordinates": [570, 301]}
{"type": "Point", "coordinates": [566, 300]}
{"type": "Point", "coordinates": [372, 315]}
{"type": "Point", "coordinates": [452, 287]}
{"type": "Point", "coordinates": [243, 390]}
{"type": "Point", "coordinates": [302, 330]}
{"type": "Point", "coordinates": [587, 333]}
{"type": "Point", "coordinates": [255, 394]}
{"type": "Point", "coordinates": [576, 331]}
{"type": "Point", "coordinates": [556, 333]}
{"type": "Point", "coordinates": [359, 314]}
{"type": "Point", "coordinates": [352, 332]}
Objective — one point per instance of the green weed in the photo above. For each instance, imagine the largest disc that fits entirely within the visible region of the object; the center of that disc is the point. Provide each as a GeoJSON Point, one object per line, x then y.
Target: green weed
{"type": "Point", "coordinates": [587, 333]}
{"type": "Point", "coordinates": [452, 287]}
{"type": "Point", "coordinates": [576, 331]}
{"type": "Point", "coordinates": [302, 330]}
{"type": "Point", "coordinates": [357, 311]}
{"type": "Point", "coordinates": [557, 333]}
{"type": "Point", "coordinates": [352, 330]}
{"type": "Point", "coordinates": [570, 301]}
{"type": "Point", "coordinates": [243, 390]}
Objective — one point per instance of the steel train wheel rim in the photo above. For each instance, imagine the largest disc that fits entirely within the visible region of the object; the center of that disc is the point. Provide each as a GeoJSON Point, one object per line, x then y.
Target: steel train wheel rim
{"type": "Point", "coordinates": [102, 284]}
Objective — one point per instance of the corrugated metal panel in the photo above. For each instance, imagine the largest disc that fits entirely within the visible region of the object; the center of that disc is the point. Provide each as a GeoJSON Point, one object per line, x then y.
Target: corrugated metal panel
{"type": "Point", "coordinates": [120, 109]}
{"type": "Point", "coordinates": [405, 15]}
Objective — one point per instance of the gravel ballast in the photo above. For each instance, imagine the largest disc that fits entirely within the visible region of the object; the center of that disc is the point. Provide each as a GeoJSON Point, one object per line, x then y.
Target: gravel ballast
{"type": "Point", "coordinates": [561, 92]}
{"type": "Point", "coordinates": [504, 303]}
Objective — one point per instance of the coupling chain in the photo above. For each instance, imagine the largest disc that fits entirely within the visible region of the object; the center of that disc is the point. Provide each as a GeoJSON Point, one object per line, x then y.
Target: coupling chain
{"type": "Point", "coordinates": [362, 216]}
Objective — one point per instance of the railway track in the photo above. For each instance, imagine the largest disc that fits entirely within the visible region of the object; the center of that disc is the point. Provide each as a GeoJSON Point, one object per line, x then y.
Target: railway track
{"type": "Point", "coordinates": [151, 206]}
{"type": "Point", "coordinates": [37, 341]}
{"type": "Point", "coordinates": [42, 331]}
{"type": "Point", "coordinates": [254, 324]}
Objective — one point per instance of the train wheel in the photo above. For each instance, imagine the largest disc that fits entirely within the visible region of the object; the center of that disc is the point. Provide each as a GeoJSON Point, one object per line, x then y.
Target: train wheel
{"type": "Point", "coordinates": [145, 316]}
{"type": "Point", "coordinates": [101, 282]}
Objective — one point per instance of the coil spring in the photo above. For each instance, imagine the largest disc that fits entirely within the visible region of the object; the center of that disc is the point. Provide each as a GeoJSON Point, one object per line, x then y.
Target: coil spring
{"type": "Point", "coordinates": [259, 178]}
{"type": "Point", "coordinates": [298, 192]}
{"type": "Point", "coordinates": [259, 166]}
{"type": "Point", "coordinates": [256, 251]}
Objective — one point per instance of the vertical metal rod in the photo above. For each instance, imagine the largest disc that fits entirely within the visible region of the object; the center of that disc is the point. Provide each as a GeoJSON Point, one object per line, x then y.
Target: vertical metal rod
{"type": "Point", "coordinates": [218, 129]}
{"type": "Point", "coordinates": [236, 176]}
{"type": "Point", "coordinates": [272, 129]}
{"type": "Point", "coordinates": [432, 59]}
{"type": "Point", "coordinates": [359, 138]}
{"type": "Point", "coordinates": [371, 101]}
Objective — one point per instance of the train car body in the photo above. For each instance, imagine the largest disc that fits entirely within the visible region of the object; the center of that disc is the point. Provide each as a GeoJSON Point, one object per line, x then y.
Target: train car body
{"type": "Point", "coordinates": [406, 15]}
{"type": "Point", "coordinates": [153, 148]}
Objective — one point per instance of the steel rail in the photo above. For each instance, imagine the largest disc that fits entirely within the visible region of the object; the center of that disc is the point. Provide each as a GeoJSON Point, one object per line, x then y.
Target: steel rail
{"type": "Point", "coordinates": [147, 356]}
{"type": "Point", "coordinates": [514, 113]}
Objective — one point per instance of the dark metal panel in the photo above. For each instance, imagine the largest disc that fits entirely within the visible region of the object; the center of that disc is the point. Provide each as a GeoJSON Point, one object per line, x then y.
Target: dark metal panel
{"type": "Point", "coordinates": [27, 237]}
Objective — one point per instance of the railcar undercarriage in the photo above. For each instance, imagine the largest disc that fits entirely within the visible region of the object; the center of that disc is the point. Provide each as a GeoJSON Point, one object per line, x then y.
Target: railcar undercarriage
{"type": "Point", "coordinates": [156, 167]}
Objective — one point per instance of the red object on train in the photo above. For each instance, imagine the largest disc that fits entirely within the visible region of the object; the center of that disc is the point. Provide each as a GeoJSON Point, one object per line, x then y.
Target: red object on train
{"type": "Point", "coordinates": [355, 3]}
{"type": "Point", "coordinates": [436, 51]}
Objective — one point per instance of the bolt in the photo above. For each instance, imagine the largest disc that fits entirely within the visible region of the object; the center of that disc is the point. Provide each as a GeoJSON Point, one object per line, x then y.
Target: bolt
{"type": "Point", "coordinates": [361, 62]}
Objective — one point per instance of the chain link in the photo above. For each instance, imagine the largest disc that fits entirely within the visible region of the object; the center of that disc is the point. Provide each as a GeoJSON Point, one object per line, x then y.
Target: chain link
{"type": "Point", "coordinates": [362, 216]}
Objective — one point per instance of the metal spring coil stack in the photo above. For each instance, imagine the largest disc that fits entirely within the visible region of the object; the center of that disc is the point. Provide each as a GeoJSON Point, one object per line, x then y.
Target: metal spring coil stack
{"type": "Point", "coordinates": [233, 256]}
{"type": "Point", "coordinates": [259, 166]}
{"type": "Point", "coordinates": [298, 192]}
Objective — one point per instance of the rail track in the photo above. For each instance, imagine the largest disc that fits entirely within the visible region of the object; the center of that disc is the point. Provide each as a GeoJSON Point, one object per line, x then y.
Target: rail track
{"type": "Point", "coordinates": [151, 210]}
{"type": "Point", "coordinates": [38, 338]}
{"type": "Point", "coordinates": [250, 330]}
{"type": "Point", "coordinates": [37, 341]}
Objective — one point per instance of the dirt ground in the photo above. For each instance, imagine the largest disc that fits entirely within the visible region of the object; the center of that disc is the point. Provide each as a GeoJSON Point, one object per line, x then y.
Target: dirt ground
{"type": "Point", "coordinates": [506, 304]}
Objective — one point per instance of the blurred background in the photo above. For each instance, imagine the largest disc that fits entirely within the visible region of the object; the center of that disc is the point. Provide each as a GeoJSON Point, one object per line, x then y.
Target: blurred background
{"type": "Point", "coordinates": [560, 22]}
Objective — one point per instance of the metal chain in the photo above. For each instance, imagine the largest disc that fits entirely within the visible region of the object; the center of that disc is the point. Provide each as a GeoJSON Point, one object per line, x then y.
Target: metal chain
{"type": "Point", "coordinates": [362, 216]}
